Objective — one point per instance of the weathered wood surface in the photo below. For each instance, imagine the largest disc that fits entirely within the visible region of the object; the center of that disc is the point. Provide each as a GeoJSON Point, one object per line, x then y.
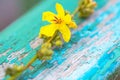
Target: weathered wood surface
{"type": "Point", "coordinates": [92, 54]}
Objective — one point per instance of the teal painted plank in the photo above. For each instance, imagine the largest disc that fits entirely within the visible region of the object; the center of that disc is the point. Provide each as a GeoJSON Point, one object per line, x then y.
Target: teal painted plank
{"type": "Point", "coordinates": [87, 56]}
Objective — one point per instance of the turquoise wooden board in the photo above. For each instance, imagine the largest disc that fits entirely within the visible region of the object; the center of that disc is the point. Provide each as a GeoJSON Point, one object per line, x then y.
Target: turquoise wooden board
{"type": "Point", "coordinates": [92, 54]}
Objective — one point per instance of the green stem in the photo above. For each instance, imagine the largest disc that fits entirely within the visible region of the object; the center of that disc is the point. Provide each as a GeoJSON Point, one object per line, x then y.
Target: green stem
{"type": "Point", "coordinates": [27, 66]}
{"type": "Point", "coordinates": [30, 62]}
{"type": "Point", "coordinates": [77, 9]}
{"type": "Point", "coordinates": [35, 57]}
{"type": "Point", "coordinates": [52, 37]}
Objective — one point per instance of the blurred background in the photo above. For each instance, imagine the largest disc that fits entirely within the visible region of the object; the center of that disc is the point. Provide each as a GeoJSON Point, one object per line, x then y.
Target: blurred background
{"type": "Point", "coordinates": [10, 10]}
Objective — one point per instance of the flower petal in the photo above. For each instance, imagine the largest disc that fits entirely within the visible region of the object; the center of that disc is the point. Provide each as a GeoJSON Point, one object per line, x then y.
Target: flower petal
{"type": "Point", "coordinates": [65, 31]}
{"type": "Point", "coordinates": [72, 24]}
{"type": "Point", "coordinates": [48, 30]}
{"type": "Point", "coordinates": [60, 10]}
{"type": "Point", "coordinates": [68, 20]}
{"type": "Point", "coordinates": [48, 16]}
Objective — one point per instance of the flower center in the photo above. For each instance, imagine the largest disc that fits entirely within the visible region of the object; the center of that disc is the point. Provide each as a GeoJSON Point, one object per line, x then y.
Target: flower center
{"type": "Point", "coordinates": [57, 20]}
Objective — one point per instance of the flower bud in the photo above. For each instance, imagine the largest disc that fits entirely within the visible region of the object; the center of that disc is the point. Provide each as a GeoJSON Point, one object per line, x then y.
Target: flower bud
{"type": "Point", "coordinates": [58, 43]}
{"type": "Point", "coordinates": [11, 71]}
{"type": "Point", "coordinates": [86, 8]}
{"type": "Point", "coordinates": [18, 68]}
{"type": "Point", "coordinates": [42, 52]}
{"type": "Point", "coordinates": [49, 53]}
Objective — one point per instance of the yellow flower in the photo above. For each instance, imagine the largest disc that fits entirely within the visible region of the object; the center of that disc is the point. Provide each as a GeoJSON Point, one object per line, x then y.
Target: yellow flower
{"type": "Point", "coordinates": [60, 22]}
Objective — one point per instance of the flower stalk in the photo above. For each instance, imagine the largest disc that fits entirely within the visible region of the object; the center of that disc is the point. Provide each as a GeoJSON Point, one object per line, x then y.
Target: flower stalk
{"type": "Point", "coordinates": [77, 9]}
{"type": "Point", "coordinates": [59, 26]}
{"type": "Point", "coordinates": [30, 62]}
